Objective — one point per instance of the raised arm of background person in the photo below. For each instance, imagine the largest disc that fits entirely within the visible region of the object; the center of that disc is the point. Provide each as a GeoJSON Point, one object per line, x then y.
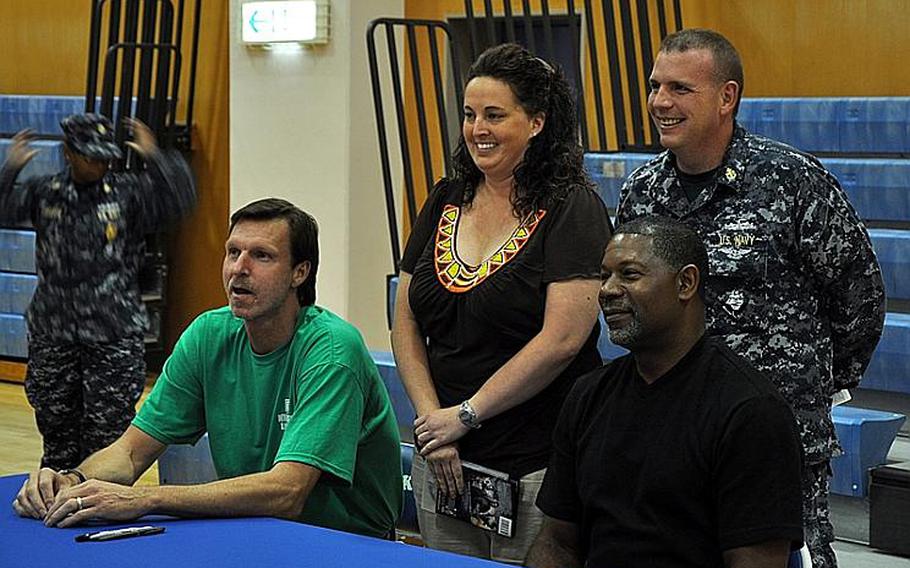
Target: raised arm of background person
{"type": "Point", "coordinates": [166, 190]}
{"type": "Point", "coordinates": [16, 202]}
{"type": "Point", "coordinates": [410, 349]}
{"type": "Point", "coordinates": [556, 545]}
{"type": "Point", "coordinates": [837, 254]}
{"type": "Point", "coordinates": [569, 316]}
{"type": "Point", "coordinates": [280, 492]}
{"type": "Point", "coordinates": [772, 554]}
{"type": "Point", "coordinates": [122, 463]}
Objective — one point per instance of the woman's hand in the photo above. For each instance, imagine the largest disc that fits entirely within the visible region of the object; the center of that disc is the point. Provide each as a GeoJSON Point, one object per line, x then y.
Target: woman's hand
{"type": "Point", "coordinates": [438, 428]}
{"type": "Point", "coordinates": [445, 466]}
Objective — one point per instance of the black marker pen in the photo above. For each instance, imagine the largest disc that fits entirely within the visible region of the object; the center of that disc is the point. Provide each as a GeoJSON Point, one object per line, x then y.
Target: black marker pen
{"type": "Point", "coordinates": [119, 533]}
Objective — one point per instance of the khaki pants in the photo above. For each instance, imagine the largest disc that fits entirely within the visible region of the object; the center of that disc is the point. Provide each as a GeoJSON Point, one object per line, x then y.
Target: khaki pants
{"type": "Point", "coordinates": [452, 535]}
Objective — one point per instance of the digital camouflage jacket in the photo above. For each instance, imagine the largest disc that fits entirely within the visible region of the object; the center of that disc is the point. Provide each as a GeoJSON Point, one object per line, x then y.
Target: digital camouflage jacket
{"type": "Point", "coordinates": [89, 244]}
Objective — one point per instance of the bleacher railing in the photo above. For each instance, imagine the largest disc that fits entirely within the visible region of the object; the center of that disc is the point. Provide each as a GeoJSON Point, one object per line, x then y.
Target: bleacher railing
{"type": "Point", "coordinates": [413, 85]}
{"type": "Point", "coordinates": [143, 63]}
{"type": "Point", "coordinates": [617, 37]}
{"type": "Point", "coordinates": [611, 58]}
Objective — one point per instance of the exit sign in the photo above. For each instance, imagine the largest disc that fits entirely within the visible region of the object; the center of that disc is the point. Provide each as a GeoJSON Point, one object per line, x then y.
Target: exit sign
{"type": "Point", "coordinates": [303, 21]}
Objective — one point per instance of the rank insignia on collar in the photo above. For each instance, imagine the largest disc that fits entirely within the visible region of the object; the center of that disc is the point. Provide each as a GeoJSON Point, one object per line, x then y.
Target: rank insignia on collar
{"type": "Point", "coordinates": [730, 174]}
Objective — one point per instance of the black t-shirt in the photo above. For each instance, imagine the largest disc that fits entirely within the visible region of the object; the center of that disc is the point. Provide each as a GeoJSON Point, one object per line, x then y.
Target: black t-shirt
{"type": "Point", "coordinates": [694, 184]}
{"type": "Point", "coordinates": [476, 318]}
{"type": "Point", "coordinates": [671, 474]}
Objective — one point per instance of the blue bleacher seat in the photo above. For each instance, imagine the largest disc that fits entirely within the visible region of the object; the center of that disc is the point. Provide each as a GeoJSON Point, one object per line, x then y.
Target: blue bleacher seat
{"type": "Point", "coordinates": [892, 247]}
{"type": "Point", "coordinates": [13, 336]}
{"type": "Point", "coordinates": [866, 436]}
{"type": "Point", "coordinates": [810, 124]}
{"type": "Point", "coordinates": [875, 124]}
{"type": "Point", "coordinates": [186, 464]}
{"type": "Point", "coordinates": [832, 124]}
{"type": "Point", "coordinates": [608, 351]}
{"type": "Point", "coordinates": [16, 292]}
{"type": "Point", "coordinates": [879, 189]}
{"type": "Point", "coordinates": [404, 411]}
{"type": "Point", "coordinates": [17, 250]}
{"type": "Point", "coordinates": [42, 113]}
{"type": "Point", "coordinates": [889, 369]}
{"type": "Point", "coordinates": [391, 291]}
{"type": "Point", "coordinates": [407, 522]}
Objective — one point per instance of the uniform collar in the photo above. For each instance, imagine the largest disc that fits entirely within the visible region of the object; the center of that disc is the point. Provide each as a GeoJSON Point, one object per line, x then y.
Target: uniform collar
{"type": "Point", "coordinates": [730, 174]}
{"type": "Point", "coordinates": [102, 186]}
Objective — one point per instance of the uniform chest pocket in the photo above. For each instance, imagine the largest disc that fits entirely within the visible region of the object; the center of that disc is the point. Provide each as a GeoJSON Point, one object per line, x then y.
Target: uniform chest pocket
{"type": "Point", "coordinates": [738, 284]}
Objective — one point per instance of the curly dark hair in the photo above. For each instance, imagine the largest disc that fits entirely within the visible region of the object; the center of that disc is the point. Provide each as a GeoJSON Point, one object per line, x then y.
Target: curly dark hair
{"type": "Point", "coordinates": [553, 163]}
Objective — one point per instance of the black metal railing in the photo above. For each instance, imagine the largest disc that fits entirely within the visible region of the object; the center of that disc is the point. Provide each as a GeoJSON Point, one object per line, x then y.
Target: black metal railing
{"type": "Point", "coordinates": [435, 141]}
{"type": "Point", "coordinates": [160, 112]}
{"type": "Point", "coordinates": [143, 65]}
{"type": "Point", "coordinates": [141, 75]}
{"type": "Point", "coordinates": [619, 42]}
{"type": "Point", "coordinates": [609, 56]}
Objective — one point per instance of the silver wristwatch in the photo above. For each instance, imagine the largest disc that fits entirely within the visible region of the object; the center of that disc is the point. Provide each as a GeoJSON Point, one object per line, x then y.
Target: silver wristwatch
{"type": "Point", "coordinates": [468, 416]}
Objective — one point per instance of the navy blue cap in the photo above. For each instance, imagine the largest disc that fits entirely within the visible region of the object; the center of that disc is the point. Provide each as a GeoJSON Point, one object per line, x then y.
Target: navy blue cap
{"type": "Point", "coordinates": [91, 135]}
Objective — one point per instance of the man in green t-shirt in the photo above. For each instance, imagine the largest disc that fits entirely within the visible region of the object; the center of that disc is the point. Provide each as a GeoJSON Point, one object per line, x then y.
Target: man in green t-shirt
{"type": "Point", "coordinates": [299, 422]}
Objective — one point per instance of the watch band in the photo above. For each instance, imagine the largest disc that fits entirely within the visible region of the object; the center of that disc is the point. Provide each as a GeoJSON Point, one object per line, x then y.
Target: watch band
{"type": "Point", "coordinates": [468, 416]}
{"type": "Point", "coordinates": [75, 472]}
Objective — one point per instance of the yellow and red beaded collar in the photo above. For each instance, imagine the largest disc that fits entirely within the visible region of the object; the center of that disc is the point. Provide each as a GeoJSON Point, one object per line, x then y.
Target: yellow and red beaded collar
{"type": "Point", "coordinates": [457, 276]}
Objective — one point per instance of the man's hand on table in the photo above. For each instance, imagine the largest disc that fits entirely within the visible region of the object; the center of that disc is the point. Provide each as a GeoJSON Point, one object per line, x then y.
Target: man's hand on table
{"type": "Point", "coordinates": [39, 491]}
{"type": "Point", "coordinates": [96, 499]}
{"type": "Point", "coordinates": [61, 501]}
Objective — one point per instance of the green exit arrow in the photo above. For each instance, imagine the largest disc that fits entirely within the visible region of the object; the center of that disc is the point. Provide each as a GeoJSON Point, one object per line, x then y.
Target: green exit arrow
{"type": "Point", "coordinates": [254, 21]}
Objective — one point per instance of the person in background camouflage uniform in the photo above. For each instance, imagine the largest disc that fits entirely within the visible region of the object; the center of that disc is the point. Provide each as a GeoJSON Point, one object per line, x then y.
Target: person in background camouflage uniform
{"type": "Point", "coordinates": [86, 320]}
{"type": "Point", "coordinates": [794, 284]}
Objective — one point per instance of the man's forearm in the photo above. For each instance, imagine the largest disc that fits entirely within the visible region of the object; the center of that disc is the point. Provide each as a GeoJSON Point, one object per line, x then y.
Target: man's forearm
{"type": "Point", "coordinates": [113, 464]}
{"type": "Point", "coordinates": [279, 492]}
{"type": "Point", "coordinates": [270, 493]}
{"type": "Point", "coordinates": [125, 460]}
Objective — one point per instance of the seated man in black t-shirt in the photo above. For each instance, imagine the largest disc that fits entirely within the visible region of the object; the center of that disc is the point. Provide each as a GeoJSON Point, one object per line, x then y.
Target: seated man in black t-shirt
{"type": "Point", "coordinates": [680, 454]}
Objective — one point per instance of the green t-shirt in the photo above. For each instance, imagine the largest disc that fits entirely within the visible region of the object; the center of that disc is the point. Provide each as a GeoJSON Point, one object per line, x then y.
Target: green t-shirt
{"type": "Point", "coordinates": [318, 400]}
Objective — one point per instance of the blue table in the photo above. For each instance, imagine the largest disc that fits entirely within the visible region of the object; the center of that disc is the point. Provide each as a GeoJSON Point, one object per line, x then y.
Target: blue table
{"type": "Point", "coordinates": [206, 542]}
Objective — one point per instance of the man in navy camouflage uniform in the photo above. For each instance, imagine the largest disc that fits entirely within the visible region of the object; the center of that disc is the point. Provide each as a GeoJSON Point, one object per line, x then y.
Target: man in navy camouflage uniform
{"type": "Point", "coordinates": [794, 285]}
{"type": "Point", "coordinates": [86, 320]}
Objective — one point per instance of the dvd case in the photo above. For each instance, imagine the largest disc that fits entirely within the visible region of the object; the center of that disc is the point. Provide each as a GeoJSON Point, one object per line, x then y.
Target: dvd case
{"type": "Point", "coordinates": [489, 500]}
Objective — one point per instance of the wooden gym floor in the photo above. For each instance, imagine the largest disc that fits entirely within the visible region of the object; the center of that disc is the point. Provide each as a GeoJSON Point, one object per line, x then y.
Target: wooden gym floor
{"type": "Point", "coordinates": [20, 442]}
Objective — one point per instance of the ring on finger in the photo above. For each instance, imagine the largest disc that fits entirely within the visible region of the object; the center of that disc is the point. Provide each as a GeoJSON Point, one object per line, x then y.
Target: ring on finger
{"type": "Point", "coordinates": [78, 503]}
